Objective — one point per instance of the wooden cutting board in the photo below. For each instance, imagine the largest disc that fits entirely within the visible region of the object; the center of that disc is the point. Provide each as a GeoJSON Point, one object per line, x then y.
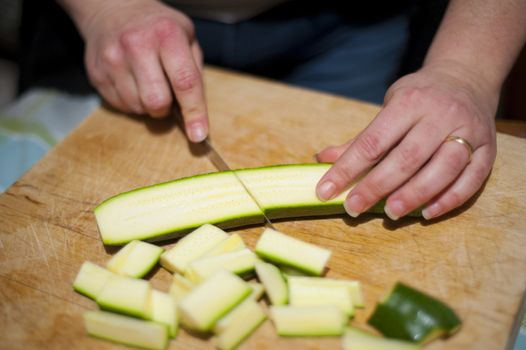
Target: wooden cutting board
{"type": "Point", "coordinates": [475, 259]}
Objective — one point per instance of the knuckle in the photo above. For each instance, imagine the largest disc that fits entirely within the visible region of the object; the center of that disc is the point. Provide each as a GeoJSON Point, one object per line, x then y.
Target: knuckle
{"type": "Point", "coordinates": [369, 147]}
{"type": "Point", "coordinates": [342, 173]}
{"type": "Point", "coordinates": [185, 79]}
{"type": "Point", "coordinates": [132, 39]}
{"type": "Point", "coordinates": [166, 27]}
{"type": "Point", "coordinates": [157, 102]}
{"type": "Point", "coordinates": [112, 56]}
{"type": "Point", "coordinates": [409, 158]}
{"type": "Point", "coordinates": [455, 161]}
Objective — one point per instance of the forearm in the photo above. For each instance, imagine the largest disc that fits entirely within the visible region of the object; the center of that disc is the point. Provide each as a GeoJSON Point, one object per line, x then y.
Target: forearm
{"type": "Point", "coordinates": [483, 37]}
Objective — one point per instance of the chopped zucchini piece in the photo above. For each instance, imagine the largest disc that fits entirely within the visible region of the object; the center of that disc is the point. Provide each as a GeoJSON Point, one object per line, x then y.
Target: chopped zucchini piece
{"type": "Point", "coordinates": [91, 279]}
{"type": "Point", "coordinates": [164, 310]}
{"type": "Point", "coordinates": [238, 324]}
{"type": "Point", "coordinates": [274, 283]}
{"type": "Point", "coordinates": [135, 259]}
{"type": "Point", "coordinates": [353, 287]}
{"type": "Point", "coordinates": [126, 330]}
{"type": "Point", "coordinates": [354, 339]}
{"type": "Point", "coordinates": [239, 262]}
{"type": "Point", "coordinates": [409, 314]}
{"type": "Point", "coordinates": [257, 290]}
{"type": "Point", "coordinates": [192, 247]}
{"type": "Point", "coordinates": [212, 299]}
{"type": "Point", "coordinates": [302, 291]}
{"type": "Point", "coordinates": [308, 321]}
{"type": "Point", "coordinates": [126, 295]}
{"type": "Point", "coordinates": [286, 250]}
{"type": "Point", "coordinates": [233, 243]}
{"type": "Point", "coordinates": [180, 287]}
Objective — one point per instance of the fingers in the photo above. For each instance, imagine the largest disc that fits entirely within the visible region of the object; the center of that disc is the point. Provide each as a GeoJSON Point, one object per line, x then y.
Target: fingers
{"type": "Point", "coordinates": [186, 82]}
{"type": "Point", "coordinates": [331, 154]}
{"type": "Point", "coordinates": [367, 149]}
{"type": "Point", "coordinates": [449, 161]}
{"type": "Point", "coordinates": [467, 184]}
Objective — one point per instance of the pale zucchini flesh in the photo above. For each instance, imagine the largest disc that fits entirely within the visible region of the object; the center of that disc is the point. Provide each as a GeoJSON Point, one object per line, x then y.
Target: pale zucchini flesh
{"type": "Point", "coordinates": [192, 247]}
{"type": "Point", "coordinates": [91, 279]}
{"type": "Point", "coordinates": [286, 250]}
{"type": "Point", "coordinates": [354, 339]}
{"type": "Point", "coordinates": [180, 287]}
{"type": "Point", "coordinates": [309, 321]}
{"type": "Point", "coordinates": [238, 324]}
{"type": "Point", "coordinates": [126, 330]}
{"type": "Point", "coordinates": [239, 262]}
{"type": "Point", "coordinates": [135, 259]}
{"type": "Point", "coordinates": [233, 243]}
{"type": "Point", "coordinates": [353, 287]}
{"type": "Point", "coordinates": [126, 295]}
{"type": "Point", "coordinates": [274, 283]}
{"type": "Point", "coordinates": [212, 299]}
{"type": "Point", "coordinates": [257, 290]}
{"type": "Point", "coordinates": [164, 310]}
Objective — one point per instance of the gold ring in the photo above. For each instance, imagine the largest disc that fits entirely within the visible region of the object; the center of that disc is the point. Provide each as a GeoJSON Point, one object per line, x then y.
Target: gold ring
{"type": "Point", "coordinates": [462, 141]}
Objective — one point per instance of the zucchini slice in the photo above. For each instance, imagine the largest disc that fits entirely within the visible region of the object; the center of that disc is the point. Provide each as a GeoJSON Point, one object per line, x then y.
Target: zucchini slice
{"type": "Point", "coordinates": [212, 299]}
{"type": "Point", "coordinates": [286, 250]}
{"type": "Point", "coordinates": [353, 287]}
{"type": "Point", "coordinates": [233, 243]}
{"type": "Point", "coordinates": [257, 290]}
{"type": "Point", "coordinates": [126, 295]}
{"type": "Point", "coordinates": [308, 321]}
{"type": "Point", "coordinates": [409, 314]}
{"type": "Point", "coordinates": [304, 292]}
{"type": "Point", "coordinates": [164, 310]}
{"type": "Point", "coordinates": [135, 259]}
{"type": "Point", "coordinates": [90, 279]}
{"type": "Point", "coordinates": [354, 339]}
{"type": "Point", "coordinates": [239, 262]}
{"type": "Point", "coordinates": [126, 330]}
{"type": "Point", "coordinates": [238, 324]}
{"type": "Point", "coordinates": [274, 283]}
{"type": "Point", "coordinates": [192, 247]}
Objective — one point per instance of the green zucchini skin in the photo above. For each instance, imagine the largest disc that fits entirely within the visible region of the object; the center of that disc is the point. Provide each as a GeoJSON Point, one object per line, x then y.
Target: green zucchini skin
{"type": "Point", "coordinates": [177, 226]}
{"type": "Point", "coordinates": [409, 314]}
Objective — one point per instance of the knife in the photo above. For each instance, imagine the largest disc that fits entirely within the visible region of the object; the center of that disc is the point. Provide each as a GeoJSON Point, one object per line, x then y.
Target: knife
{"type": "Point", "coordinates": [221, 165]}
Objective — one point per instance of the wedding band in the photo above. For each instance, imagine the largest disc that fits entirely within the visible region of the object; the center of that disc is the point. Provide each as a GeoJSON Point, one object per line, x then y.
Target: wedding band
{"type": "Point", "coordinates": [462, 141]}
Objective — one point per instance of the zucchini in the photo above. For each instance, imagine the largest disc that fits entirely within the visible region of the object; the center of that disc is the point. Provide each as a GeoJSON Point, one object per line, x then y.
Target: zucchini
{"type": "Point", "coordinates": [180, 287]}
{"type": "Point", "coordinates": [126, 295]}
{"type": "Point", "coordinates": [354, 339]}
{"type": "Point", "coordinates": [274, 283]}
{"type": "Point", "coordinates": [170, 209]}
{"type": "Point", "coordinates": [240, 262]}
{"type": "Point", "coordinates": [192, 247]}
{"type": "Point", "coordinates": [257, 290]}
{"type": "Point", "coordinates": [286, 250]}
{"type": "Point", "coordinates": [126, 330]}
{"type": "Point", "coordinates": [309, 321]}
{"type": "Point", "coordinates": [135, 259]}
{"type": "Point", "coordinates": [409, 314]}
{"type": "Point", "coordinates": [233, 243]}
{"type": "Point", "coordinates": [164, 310]}
{"type": "Point", "coordinates": [304, 292]}
{"type": "Point", "coordinates": [353, 287]}
{"type": "Point", "coordinates": [212, 299]}
{"type": "Point", "coordinates": [91, 279]}
{"type": "Point", "coordinates": [238, 324]}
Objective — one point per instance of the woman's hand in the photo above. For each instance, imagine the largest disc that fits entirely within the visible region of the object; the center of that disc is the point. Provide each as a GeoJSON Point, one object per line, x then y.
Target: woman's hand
{"type": "Point", "coordinates": [403, 151]}
{"type": "Point", "coordinates": [139, 53]}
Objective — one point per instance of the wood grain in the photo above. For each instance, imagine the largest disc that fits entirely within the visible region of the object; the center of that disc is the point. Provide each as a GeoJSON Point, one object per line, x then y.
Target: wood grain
{"type": "Point", "coordinates": [474, 259]}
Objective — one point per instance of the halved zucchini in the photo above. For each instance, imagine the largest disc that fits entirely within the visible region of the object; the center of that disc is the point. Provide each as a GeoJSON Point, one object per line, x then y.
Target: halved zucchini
{"type": "Point", "coordinates": [286, 250]}
{"type": "Point", "coordinates": [126, 330]}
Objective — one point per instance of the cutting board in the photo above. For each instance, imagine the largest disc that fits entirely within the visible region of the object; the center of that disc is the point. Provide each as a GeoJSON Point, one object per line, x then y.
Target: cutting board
{"type": "Point", "coordinates": [474, 259]}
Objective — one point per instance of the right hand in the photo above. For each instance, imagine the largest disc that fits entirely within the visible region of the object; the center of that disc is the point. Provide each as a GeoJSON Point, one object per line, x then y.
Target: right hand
{"type": "Point", "coordinates": [140, 51]}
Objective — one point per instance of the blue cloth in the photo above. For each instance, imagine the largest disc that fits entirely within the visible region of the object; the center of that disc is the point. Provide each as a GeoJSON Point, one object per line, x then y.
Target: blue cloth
{"type": "Point", "coordinates": [323, 51]}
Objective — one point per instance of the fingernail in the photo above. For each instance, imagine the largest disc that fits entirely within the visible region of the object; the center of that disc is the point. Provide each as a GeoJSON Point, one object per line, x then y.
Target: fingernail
{"type": "Point", "coordinates": [355, 205]}
{"type": "Point", "coordinates": [395, 209]}
{"type": "Point", "coordinates": [431, 211]}
{"type": "Point", "coordinates": [326, 190]}
{"type": "Point", "coordinates": [197, 132]}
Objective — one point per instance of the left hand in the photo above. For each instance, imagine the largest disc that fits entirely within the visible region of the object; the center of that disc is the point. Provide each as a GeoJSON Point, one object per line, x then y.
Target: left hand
{"type": "Point", "coordinates": [402, 152]}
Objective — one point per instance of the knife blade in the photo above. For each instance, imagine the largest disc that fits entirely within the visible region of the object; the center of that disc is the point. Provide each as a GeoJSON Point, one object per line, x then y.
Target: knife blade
{"type": "Point", "coordinates": [221, 165]}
